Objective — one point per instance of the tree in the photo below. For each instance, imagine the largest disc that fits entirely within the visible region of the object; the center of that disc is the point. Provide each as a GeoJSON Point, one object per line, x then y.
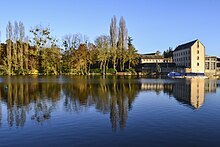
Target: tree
{"type": "Point", "coordinates": [0, 50]}
{"type": "Point", "coordinates": [168, 53]}
{"type": "Point", "coordinates": [42, 39]}
{"type": "Point", "coordinates": [8, 48]}
{"type": "Point", "coordinates": [21, 31]}
{"type": "Point", "coordinates": [122, 43]}
{"type": "Point", "coordinates": [20, 48]}
{"type": "Point", "coordinates": [103, 44]}
{"type": "Point", "coordinates": [113, 39]}
{"type": "Point", "coordinates": [82, 55]}
{"type": "Point", "coordinates": [132, 54]}
{"type": "Point", "coordinates": [15, 47]}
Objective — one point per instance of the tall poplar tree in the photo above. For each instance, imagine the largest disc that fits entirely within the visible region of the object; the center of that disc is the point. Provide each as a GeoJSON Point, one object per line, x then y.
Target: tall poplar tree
{"type": "Point", "coordinates": [8, 47]}
{"type": "Point", "coordinates": [15, 47]}
{"type": "Point", "coordinates": [113, 39]}
{"type": "Point", "coordinates": [122, 43]}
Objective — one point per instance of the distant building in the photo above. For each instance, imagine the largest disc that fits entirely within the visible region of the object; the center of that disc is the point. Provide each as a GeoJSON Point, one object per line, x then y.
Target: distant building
{"type": "Point", "coordinates": [190, 55]}
{"type": "Point", "coordinates": [154, 58]}
{"type": "Point", "coordinates": [151, 58]}
{"type": "Point", "coordinates": [155, 62]}
{"type": "Point", "coordinates": [212, 65]}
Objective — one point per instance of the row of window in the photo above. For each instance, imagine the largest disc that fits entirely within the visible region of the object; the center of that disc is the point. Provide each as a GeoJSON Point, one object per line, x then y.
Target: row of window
{"type": "Point", "coordinates": [210, 66]}
{"type": "Point", "coordinates": [210, 59]}
{"type": "Point", "coordinates": [152, 60]}
{"type": "Point", "coordinates": [181, 53]}
{"type": "Point", "coordinates": [184, 64]}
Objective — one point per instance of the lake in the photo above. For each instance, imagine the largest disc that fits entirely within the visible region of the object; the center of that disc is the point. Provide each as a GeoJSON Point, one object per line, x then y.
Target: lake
{"type": "Point", "coordinates": [108, 111]}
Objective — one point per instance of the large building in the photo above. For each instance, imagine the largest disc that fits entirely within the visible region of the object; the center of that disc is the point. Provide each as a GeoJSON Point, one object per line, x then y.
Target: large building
{"type": "Point", "coordinates": [191, 56]}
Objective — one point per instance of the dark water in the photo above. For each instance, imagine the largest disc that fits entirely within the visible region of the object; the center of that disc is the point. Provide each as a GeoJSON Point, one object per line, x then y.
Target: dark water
{"type": "Point", "coordinates": [112, 111]}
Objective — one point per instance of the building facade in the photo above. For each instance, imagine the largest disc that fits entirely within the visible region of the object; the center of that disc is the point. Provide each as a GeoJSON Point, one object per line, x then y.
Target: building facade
{"type": "Point", "coordinates": [151, 58]}
{"type": "Point", "coordinates": [154, 58]}
{"type": "Point", "coordinates": [191, 56]}
{"type": "Point", "coordinates": [154, 62]}
{"type": "Point", "coordinates": [212, 65]}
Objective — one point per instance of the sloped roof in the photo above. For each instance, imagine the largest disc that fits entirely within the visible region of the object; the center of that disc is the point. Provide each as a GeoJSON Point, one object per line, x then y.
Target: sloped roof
{"type": "Point", "coordinates": [151, 57]}
{"type": "Point", "coordinates": [186, 45]}
{"type": "Point", "coordinates": [150, 54]}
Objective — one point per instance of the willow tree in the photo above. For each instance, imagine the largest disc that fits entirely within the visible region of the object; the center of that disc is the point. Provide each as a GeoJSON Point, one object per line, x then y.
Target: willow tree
{"type": "Point", "coordinates": [113, 40]}
{"type": "Point", "coordinates": [122, 43]}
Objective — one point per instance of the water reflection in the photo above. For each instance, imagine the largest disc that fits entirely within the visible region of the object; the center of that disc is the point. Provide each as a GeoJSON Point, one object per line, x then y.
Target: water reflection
{"type": "Point", "coordinates": [190, 91]}
{"type": "Point", "coordinates": [36, 98]}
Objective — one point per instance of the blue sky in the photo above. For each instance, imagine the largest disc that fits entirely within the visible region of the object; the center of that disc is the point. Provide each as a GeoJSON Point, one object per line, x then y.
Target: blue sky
{"type": "Point", "coordinates": [153, 24]}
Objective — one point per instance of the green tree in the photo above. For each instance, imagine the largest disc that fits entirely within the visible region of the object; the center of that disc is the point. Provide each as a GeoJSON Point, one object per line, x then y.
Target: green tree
{"type": "Point", "coordinates": [168, 53]}
{"type": "Point", "coordinates": [41, 40]}
{"type": "Point", "coordinates": [132, 54]}
{"type": "Point", "coordinates": [103, 45]}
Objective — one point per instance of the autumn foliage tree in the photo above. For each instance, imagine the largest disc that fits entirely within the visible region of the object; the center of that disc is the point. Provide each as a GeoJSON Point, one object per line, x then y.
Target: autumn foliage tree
{"type": "Point", "coordinates": [41, 53]}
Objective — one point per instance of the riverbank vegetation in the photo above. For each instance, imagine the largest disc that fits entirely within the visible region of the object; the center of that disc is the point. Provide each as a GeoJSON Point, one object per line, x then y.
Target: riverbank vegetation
{"type": "Point", "coordinates": [41, 53]}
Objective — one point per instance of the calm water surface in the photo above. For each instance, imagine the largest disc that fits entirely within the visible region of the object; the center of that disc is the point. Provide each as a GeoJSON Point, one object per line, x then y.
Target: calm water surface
{"type": "Point", "coordinates": [110, 111]}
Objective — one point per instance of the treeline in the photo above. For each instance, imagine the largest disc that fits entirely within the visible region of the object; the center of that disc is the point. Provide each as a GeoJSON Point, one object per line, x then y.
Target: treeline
{"type": "Point", "coordinates": [42, 54]}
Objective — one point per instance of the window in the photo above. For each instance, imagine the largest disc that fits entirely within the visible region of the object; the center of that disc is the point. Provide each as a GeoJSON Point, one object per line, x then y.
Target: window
{"type": "Point", "coordinates": [197, 51]}
{"type": "Point", "coordinates": [207, 65]}
{"type": "Point", "coordinates": [197, 64]}
{"type": "Point", "coordinates": [198, 58]}
{"type": "Point", "coordinates": [197, 44]}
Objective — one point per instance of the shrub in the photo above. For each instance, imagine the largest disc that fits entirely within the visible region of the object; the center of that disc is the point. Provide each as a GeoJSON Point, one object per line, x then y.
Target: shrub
{"type": "Point", "coordinates": [111, 70]}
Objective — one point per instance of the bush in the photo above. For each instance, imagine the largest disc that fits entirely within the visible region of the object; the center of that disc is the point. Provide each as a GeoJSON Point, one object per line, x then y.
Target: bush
{"type": "Point", "coordinates": [111, 70]}
{"type": "Point", "coordinates": [131, 70]}
{"type": "Point", "coordinates": [96, 70]}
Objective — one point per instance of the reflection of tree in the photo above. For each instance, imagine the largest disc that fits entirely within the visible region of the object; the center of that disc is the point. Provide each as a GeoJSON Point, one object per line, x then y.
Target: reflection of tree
{"type": "Point", "coordinates": [42, 111]}
{"type": "Point", "coordinates": [0, 107]}
{"type": "Point", "coordinates": [108, 95]}
{"type": "Point", "coordinates": [20, 95]}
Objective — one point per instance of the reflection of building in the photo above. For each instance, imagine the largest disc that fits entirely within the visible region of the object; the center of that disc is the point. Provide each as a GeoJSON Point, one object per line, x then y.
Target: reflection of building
{"type": "Point", "coordinates": [210, 86]}
{"type": "Point", "coordinates": [190, 91]}
{"type": "Point", "coordinates": [190, 55]}
{"type": "Point", "coordinates": [152, 86]}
